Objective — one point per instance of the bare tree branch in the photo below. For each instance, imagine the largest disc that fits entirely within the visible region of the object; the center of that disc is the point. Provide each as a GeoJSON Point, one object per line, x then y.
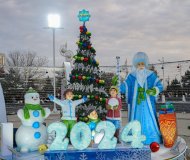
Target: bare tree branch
{"type": "Point", "coordinates": [26, 64]}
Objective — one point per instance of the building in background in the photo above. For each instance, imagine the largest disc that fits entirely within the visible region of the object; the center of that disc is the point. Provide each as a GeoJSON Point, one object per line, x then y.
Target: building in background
{"type": "Point", "coordinates": [2, 63]}
{"type": "Point", "coordinates": [2, 59]}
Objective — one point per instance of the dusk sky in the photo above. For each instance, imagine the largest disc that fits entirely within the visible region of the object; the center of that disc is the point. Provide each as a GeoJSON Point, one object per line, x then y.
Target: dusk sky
{"type": "Point", "coordinates": [161, 28]}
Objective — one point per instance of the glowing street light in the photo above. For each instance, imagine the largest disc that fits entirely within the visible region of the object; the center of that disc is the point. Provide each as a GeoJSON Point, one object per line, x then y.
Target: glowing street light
{"type": "Point", "coordinates": [54, 23]}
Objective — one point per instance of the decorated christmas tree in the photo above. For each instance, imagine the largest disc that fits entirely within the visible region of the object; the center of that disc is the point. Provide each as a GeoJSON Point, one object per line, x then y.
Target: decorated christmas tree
{"type": "Point", "coordinates": [86, 78]}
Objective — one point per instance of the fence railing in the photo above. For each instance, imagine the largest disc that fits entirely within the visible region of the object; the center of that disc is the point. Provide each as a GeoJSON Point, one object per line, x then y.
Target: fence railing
{"type": "Point", "coordinates": [16, 81]}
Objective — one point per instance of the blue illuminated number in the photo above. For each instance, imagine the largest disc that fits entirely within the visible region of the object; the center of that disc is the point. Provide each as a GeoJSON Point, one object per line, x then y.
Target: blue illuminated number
{"type": "Point", "coordinates": [59, 142]}
{"type": "Point", "coordinates": [136, 138]}
{"type": "Point", "coordinates": [80, 136]}
{"type": "Point", "coordinates": [108, 141]}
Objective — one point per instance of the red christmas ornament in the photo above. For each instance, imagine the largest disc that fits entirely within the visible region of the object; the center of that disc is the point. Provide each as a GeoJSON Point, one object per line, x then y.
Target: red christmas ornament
{"type": "Point", "coordinates": [81, 27]}
{"type": "Point", "coordinates": [85, 59]}
{"type": "Point", "coordinates": [89, 46]}
{"type": "Point", "coordinates": [97, 80]}
{"type": "Point", "coordinates": [73, 77]}
{"type": "Point", "coordinates": [79, 77]}
{"type": "Point", "coordinates": [154, 146]}
{"type": "Point", "coordinates": [96, 97]}
{"type": "Point", "coordinates": [81, 30]}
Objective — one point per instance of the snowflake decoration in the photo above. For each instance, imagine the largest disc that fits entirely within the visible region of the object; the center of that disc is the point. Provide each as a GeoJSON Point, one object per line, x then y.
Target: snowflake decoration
{"type": "Point", "coordinates": [60, 156]}
{"type": "Point", "coordinates": [100, 156]}
{"type": "Point", "coordinates": [83, 157]}
{"type": "Point", "coordinates": [84, 15]}
{"type": "Point", "coordinates": [121, 156]}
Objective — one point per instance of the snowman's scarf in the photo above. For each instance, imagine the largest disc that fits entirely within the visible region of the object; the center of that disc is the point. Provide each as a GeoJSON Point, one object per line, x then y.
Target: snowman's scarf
{"type": "Point", "coordinates": [28, 107]}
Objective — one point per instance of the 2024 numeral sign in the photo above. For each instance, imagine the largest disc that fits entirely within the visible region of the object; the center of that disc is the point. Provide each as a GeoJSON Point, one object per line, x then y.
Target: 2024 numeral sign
{"type": "Point", "coordinates": [80, 135]}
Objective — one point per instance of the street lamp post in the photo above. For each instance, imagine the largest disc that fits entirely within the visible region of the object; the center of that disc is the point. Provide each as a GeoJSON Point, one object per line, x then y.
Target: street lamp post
{"type": "Point", "coordinates": [162, 61]}
{"type": "Point", "coordinates": [54, 23]}
{"type": "Point", "coordinates": [118, 74]}
{"type": "Point", "coordinates": [183, 94]}
{"type": "Point", "coordinates": [163, 95]}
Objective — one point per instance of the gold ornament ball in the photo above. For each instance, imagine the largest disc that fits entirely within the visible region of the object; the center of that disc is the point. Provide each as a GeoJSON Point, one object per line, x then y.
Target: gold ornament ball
{"type": "Point", "coordinates": [42, 148]}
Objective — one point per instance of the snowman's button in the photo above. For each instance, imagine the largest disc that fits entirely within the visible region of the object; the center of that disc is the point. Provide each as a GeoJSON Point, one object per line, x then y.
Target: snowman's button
{"type": "Point", "coordinates": [36, 113]}
{"type": "Point", "coordinates": [36, 125]}
{"type": "Point", "coordinates": [37, 135]}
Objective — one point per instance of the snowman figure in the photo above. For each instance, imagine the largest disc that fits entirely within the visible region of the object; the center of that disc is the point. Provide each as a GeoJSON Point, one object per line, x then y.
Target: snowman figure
{"type": "Point", "coordinates": [32, 133]}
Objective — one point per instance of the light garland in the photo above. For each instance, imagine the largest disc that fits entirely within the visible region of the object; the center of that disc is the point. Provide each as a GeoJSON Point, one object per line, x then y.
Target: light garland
{"type": "Point", "coordinates": [88, 68]}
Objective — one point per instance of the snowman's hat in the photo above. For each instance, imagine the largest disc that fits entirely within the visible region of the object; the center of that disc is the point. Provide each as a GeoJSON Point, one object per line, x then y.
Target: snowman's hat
{"type": "Point", "coordinates": [31, 90]}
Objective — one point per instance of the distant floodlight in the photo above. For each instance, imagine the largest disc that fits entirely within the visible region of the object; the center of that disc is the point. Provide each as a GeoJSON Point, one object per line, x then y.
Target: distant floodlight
{"type": "Point", "coordinates": [53, 24]}
{"type": "Point", "coordinates": [53, 20]}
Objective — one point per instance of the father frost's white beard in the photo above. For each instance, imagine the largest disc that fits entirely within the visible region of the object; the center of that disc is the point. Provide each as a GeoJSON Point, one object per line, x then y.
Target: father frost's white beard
{"type": "Point", "coordinates": [141, 76]}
